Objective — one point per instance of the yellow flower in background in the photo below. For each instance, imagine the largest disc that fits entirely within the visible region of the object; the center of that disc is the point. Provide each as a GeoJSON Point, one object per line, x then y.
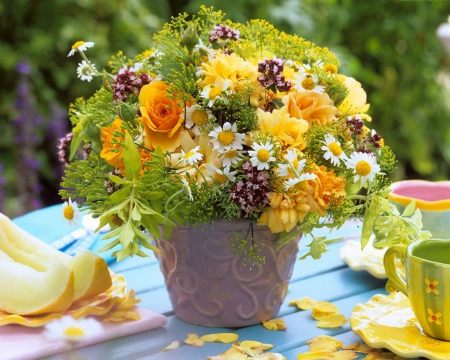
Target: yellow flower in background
{"type": "Point", "coordinates": [432, 286]}
{"type": "Point", "coordinates": [356, 101]}
{"type": "Point", "coordinates": [310, 106]}
{"type": "Point", "coordinates": [112, 157]}
{"type": "Point", "coordinates": [161, 117]}
{"type": "Point", "coordinates": [289, 130]}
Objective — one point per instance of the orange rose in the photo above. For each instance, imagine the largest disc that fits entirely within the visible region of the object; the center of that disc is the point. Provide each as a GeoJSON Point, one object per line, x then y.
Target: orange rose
{"type": "Point", "coordinates": [111, 157]}
{"type": "Point", "coordinates": [160, 116]}
{"type": "Point", "coordinates": [327, 187]}
{"type": "Point", "coordinates": [310, 106]}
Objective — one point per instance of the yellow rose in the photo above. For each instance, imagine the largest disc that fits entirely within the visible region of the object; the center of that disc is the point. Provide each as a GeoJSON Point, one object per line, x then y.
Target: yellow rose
{"type": "Point", "coordinates": [112, 158]}
{"type": "Point", "coordinates": [160, 116]}
{"type": "Point", "coordinates": [232, 67]}
{"type": "Point", "coordinates": [289, 130]}
{"type": "Point", "coordinates": [355, 102]}
{"type": "Point", "coordinates": [310, 106]}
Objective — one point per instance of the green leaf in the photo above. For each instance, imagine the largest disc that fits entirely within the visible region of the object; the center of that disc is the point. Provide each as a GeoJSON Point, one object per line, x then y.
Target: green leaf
{"type": "Point", "coordinates": [409, 209]}
{"type": "Point", "coordinates": [77, 139]}
{"type": "Point", "coordinates": [135, 214]}
{"type": "Point", "coordinates": [110, 245]}
{"type": "Point", "coordinates": [112, 234]}
{"type": "Point", "coordinates": [119, 195]}
{"type": "Point", "coordinates": [122, 254]}
{"type": "Point", "coordinates": [118, 180]}
{"type": "Point", "coordinates": [278, 103]}
{"type": "Point", "coordinates": [126, 234]}
{"type": "Point", "coordinates": [417, 218]}
{"type": "Point", "coordinates": [141, 254]}
{"type": "Point", "coordinates": [152, 226]}
{"type": "Point", "coordinates": [369, 221]}
{"type": "Point", "coordinates": [131, 158]}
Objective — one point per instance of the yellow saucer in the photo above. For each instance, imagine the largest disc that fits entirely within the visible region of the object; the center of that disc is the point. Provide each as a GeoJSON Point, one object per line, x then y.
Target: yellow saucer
{"type": "Point", "coordinates": [98, 305]}
{"type": "Point", "coordinates": [387, 321]}
{"type": "Point", "coordinates": [370, 259]}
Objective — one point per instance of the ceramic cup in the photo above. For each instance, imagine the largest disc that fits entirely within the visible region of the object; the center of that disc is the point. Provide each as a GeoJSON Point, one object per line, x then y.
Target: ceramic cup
{"type": "Point", "coordinates": [433, 200]}
{"type": "Point", "coordinates": [427, 283]}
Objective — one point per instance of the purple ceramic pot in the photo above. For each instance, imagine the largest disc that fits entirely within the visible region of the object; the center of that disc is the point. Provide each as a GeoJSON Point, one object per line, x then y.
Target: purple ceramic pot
{"type": "Point", "coordinates": [209, 285]}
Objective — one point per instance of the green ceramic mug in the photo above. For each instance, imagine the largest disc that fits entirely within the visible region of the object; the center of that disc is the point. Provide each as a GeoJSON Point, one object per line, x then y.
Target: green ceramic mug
{"type": "Point", "coordinates": [427, 283]}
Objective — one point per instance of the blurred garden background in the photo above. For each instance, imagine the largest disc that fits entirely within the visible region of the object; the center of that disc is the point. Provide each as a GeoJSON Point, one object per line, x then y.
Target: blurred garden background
{"type": "Point", "coordinates": [390, 46]}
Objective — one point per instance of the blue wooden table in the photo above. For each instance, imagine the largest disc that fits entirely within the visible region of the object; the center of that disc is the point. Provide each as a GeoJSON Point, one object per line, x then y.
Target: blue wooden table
{"type": "Point", "coordinates": [326, 279]}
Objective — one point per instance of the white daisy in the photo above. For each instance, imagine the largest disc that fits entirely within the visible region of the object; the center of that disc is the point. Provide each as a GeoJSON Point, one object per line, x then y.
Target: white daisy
{"type": "Point", "coordinates": [80, 46]}
{"type": "Point", "coordinates": [307, 82]}
{"type": "Point", "coordinates": [204, 50]}
{"type": "Point", "coordinates": [303, 177]}
{"type": "Point", "coordinates": [216, 92]}
{"type": "Point", "coordinates": [333, 150]}
{"type": "Point", "coordinates": [187, 189]}
{"type": "Point", "coordinates": [364, 165]}
{"type": "Point", "coordinates": [196, 117]}
{"type": "Point", "coordinates": [292, 162]}
{"type": "Point", "coordinates": [86, 70]}
{"type": "Point", "coordinates": [261, 155]}
{"type": "Point", "coordinates": [230, 156]}
{"type": "Point", "coordinates": [70, 212]}
{"type": "Point", "coordinates": [222, 176]}
{"type": "Point", "coordinates": [192, 157]}
{"type": "Point", "coordinates": [69, 329]}
{"type": "Point", "coordinates": [226, 136]}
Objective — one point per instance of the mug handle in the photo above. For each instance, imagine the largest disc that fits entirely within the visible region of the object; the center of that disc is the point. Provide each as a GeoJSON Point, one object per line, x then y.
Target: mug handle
{"type": "Point", "coordinates": [395, 282]}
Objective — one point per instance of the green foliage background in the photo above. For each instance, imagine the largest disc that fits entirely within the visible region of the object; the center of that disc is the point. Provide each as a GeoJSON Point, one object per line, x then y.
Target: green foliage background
{"type": "Point", "coordinates": [390, 46]}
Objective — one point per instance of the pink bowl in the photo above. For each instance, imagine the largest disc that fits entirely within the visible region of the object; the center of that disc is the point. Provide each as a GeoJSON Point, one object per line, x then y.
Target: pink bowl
{"type": "Point", "coordinates": [433, 200]}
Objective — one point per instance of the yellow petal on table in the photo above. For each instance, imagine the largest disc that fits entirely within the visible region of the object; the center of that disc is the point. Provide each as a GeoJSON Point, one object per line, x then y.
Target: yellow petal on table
{"type": "Point", "coordinates": [324, 342]}
{"type": "Point", "coordinates": [255, 345]}
{"type": "Point", "coordinates": [345, 355]}
{"type": "Point", "coordinates": [332, 321]}
{"type": "Point", "coordinates": [274, 324]}
{"type": "Point", "coordinates": [194, 340]}
{"type": "Point", "coordinates": [316, 355]}
{"type": "Point", "coordinates": [304, 303]}
{"type": "Point", "coordinates": [129, 301]}
{"type": "Point", "coordinates": [353, 346]}
{"type": "Point", "coordinates": [220, 337]}
{"type": "Point", "coordinates": [172, 346]}
{"type": "Point", "coordinates": [230, 354]}
{"type": "Point", "coordinates": [323, 309]}
{"type": "Point", "coordinates": [364, 348]}
{"type": "Point", "coordinates": [119, 316]}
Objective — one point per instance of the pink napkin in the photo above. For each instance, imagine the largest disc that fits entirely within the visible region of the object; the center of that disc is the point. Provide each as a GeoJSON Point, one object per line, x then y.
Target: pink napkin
{"type": "Point", "coordinates": [21, 343]}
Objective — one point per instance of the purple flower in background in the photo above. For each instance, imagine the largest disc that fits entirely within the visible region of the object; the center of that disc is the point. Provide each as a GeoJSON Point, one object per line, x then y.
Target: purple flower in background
{"type": "Point", "coordinates": [223, 32]}
{"type": "Point", "coordinates": [2, 190]}
{"type": "Point", "coordinates": [272, 74]}
{"type": "Point", "coordinates": [26, 126]}
{"type": "Point", "coordinates": [127, 82]}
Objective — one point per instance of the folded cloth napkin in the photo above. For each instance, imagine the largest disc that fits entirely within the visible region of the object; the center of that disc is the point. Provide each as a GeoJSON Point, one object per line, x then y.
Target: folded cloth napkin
{"type": "Point", "coordinates": [23, 343]}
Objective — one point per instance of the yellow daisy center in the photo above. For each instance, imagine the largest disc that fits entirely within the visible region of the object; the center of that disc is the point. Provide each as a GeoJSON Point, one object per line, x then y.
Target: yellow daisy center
{"type": "Point", "coordinates": [68, 212]}
{"type": "Point", "coordinates": [363, 168]}
{"type": "Point", "coordinates": [214, 92]}
{"type": "Point", "coordinates": [188, 155]}
{"type": "Point", "coordinates": [74, 331]}
{"type": "Point", "coordinates": [263, 155]}
{"type": "Point", "coordinates": [308, 84]}
{"type": "Point", "coordinates": [199, 117]}
{"type": "Point", "coordinates": [226, 137]}
{"type": "Point", "coordinates": [220, 178]}
{"type": "Point", "coordinates": [331, 68]}
{"type": "Point", "coordinates": [77, 45]}
{"type": "Point", "coordinates": [335, 149]}
{"type": "Point", "coordinates": [230, 154]}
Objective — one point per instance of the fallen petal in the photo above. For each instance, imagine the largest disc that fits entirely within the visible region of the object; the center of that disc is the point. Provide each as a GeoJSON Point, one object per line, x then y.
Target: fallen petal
{"type": "Point", "coordinates": [274, 324]}
{"type": "Point", "coordinates": [172, 346]}
{"type": "Point", "coordinates": [220, 337]}
{"type": "Point", "coordinates": [332, 321]}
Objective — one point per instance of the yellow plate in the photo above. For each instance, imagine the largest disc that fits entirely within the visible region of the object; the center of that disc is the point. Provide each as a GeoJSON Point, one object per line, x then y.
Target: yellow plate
{"type": "Point", "coordinates": [97, 305]}
{"type": "Point", "coordinates": [387, 321]}
{"type": "Point", "coordinates": [370, 259]}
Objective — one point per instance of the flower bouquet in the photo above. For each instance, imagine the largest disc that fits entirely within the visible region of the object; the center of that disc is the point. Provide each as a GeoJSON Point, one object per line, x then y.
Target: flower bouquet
{"type": "Point", "coordinates": [222, 120]}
